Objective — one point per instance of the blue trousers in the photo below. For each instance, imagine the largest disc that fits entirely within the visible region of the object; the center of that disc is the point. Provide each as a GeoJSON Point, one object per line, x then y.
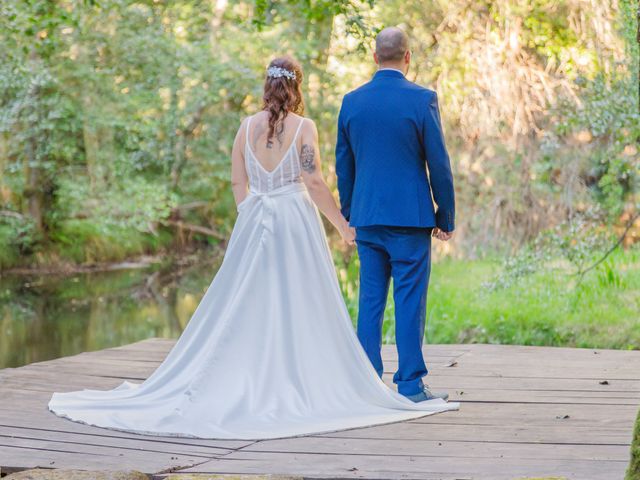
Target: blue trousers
{"type": "Point", "coordinates": [404, 254]}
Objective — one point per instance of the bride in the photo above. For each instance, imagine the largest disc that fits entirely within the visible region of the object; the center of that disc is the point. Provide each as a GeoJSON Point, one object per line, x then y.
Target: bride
{"type": "Point", "coordinates": [270, 351]}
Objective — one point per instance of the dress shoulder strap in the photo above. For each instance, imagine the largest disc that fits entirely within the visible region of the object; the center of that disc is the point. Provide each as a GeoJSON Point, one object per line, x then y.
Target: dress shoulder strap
{"type": "Point", "coordinates": [246, 133]}
{"type": "Point", "coordinates": [295, 137]}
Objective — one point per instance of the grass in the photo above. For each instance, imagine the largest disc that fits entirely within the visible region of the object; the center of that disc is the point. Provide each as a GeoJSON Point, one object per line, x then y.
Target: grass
{"type": "Point", "coordinates": [547, 307]}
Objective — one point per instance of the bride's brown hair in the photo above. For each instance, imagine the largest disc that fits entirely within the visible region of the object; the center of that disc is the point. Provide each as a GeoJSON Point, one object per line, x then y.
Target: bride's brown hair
{"type": "Point", "coordinates": [282, 94]}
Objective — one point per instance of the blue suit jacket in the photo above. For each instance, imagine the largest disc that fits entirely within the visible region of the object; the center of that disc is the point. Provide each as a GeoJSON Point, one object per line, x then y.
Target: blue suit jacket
{"type": "Point", "coordinates": [389, 133]}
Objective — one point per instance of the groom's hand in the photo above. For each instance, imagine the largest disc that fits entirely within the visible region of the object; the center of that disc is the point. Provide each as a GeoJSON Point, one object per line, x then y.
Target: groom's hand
{"type": "Point", "coordinates": [350, 236]}
{"type": "Point", "coordinates": [347, 232]}
{"type": "Point", "coordinates": [441, 234]}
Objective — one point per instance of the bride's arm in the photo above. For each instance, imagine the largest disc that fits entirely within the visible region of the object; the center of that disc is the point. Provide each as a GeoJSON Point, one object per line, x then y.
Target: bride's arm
{"type": "Point", "coordinates": [239, 178]}
{"type": "Point", "coordinates": [318, 189]}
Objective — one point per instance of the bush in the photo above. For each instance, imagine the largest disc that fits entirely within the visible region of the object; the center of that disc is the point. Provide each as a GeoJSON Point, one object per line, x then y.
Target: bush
{"type": "Point", "coordinates": [18, 236]}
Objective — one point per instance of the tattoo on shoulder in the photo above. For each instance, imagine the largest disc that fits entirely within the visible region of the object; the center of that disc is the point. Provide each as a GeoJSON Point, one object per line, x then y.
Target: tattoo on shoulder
{"type": "Point", "coordinates": [307, 158]}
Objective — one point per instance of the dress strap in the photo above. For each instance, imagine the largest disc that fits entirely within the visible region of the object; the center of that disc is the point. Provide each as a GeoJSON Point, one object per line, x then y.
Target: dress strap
{"type": "Point", "coordinates": [247, 131]}
{"type": "Point", "coordinates": [295, 137]}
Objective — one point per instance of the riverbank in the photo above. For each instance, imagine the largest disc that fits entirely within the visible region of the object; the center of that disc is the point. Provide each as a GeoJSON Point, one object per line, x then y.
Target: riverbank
{"type": "Point", "coordinates": [58, 313]}
{"type": "Point", "coordinates": [55, 265]}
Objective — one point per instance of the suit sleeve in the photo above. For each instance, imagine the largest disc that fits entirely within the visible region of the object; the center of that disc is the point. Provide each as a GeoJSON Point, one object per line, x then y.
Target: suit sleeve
{"type": "Point", "coordinates": [439, 166]}
{"type": "Point", "coordinates": [345, 166]}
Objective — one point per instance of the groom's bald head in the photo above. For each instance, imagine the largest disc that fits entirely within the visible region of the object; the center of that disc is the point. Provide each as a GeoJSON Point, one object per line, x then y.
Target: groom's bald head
{"type": "Point", "coordinates": [391, 45]}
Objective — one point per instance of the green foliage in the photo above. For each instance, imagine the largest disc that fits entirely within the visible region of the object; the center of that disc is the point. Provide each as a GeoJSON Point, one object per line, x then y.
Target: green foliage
{"type": "Point", "coordinates": [18, 236]}
{"type": "Point", "coordinates": [606, 124]}
{"type": "Point", "coordinates": [525, 262]}
{"type": "Point", "coordinates": [132, 203]}
{"type": "Point", "coordinates": [268, 12]}
{"type": "Point", "coordinates": [100, 99]}
{"type": "Point", "coordinates": [109, 222]}
{"type": "Point", "coordinates": [610, 120]}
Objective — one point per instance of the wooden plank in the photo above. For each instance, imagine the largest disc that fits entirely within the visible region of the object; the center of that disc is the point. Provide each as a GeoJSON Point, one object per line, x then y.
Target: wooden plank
{"type": "Point", "coordinates": [561, 434]}
{"type": "Point", "coordinates": [492, 348]}
{"type": "Point", "coordinates": [440, 448]}
{"type": "Point", "coordinates": [14, 458]}
{"type": "Point", "coordinates": [546, 396]}
{"type": "Point", "coordinates": [531, 372]}
{"type": "Point", "coordinates": [64, 426]}
{"type": "Point", "coordinates": [541, 414]}
{"type": "Point", "coordinates": [43, 419]}
{"type": "Point", "coordinates": [99, 369]}
{"type": "Point", "coordinates": [154, 460]}
{"type": "Point", "coordinates": [59, 384]}
{"type": "Point", "coordinates": [408, 467]}
{"type": "Point", "coordinates": [124, 443]}
{"type": "Point", "coordinates": [30, 411]}
{"type": "Point", "coordinates": [51, 375]}
{"type": "Point", "coordinates": [443, 380]}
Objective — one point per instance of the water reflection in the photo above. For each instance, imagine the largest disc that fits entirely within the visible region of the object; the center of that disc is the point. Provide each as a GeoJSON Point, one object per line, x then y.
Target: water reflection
{"type": "Point", "coordinates": [45, 317]}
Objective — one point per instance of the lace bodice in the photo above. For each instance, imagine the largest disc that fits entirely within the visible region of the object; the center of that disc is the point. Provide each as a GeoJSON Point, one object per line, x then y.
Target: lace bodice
{"type": "Point", "coordinates": [287, 171]}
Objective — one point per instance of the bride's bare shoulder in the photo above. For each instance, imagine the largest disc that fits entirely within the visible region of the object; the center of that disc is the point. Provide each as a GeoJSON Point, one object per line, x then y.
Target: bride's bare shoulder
{"type": "Point", "coordinates": [308, 125]}
{"type": "Point", "coordinates": [252, 116]}
{"type": "Point", "coordinates": [246, 118]}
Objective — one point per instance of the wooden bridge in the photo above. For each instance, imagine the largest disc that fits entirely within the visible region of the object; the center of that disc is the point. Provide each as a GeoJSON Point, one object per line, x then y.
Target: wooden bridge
{"type": "Point", "coordinates": [525, 412]}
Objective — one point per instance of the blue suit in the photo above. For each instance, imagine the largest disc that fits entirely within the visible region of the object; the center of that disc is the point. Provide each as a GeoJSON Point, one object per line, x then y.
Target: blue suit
{"type": "Point", "coordinates": [389, 137]}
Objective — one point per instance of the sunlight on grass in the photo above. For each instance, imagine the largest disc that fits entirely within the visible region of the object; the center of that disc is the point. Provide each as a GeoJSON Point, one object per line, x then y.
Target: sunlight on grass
{"type": "Point", "coordinates": [544, 308]}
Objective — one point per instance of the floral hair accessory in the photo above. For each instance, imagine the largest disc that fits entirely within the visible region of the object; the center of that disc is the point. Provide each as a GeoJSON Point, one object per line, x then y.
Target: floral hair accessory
{"type": "Point", "coordinates": [277, 72]}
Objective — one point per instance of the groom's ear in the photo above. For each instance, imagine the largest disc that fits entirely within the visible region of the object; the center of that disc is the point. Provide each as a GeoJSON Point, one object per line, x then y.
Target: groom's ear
{"type": "Point", "coordinates": [375, 57]}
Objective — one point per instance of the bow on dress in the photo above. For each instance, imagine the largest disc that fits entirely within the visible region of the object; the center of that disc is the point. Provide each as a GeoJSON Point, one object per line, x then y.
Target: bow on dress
{"type": "Point", "coordinates": [267, 200]}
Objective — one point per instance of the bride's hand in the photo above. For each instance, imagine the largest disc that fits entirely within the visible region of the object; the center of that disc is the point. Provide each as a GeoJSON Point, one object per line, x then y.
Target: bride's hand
{"type": "Point", "coordinates": [347, 233]}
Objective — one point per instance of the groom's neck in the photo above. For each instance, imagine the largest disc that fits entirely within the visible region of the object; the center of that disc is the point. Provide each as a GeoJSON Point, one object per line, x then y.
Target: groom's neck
{"type": "Point", "coordinates": [394, 65]}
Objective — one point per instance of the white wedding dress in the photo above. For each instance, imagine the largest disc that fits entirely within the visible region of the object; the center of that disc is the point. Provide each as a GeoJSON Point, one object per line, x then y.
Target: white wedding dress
{"type": "Point", "coordinates": [270, 351]}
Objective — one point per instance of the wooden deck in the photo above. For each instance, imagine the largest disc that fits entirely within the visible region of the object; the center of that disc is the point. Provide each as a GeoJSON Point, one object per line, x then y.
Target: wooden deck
{"type": "Point", "coordinates": [525, 412]}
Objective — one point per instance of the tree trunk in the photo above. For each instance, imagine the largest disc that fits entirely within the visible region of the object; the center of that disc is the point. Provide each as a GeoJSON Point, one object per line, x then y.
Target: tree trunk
{"type": "Point", "coordinates": [89, 140]}
{"type": "Point", "coordinates": [33, 190]}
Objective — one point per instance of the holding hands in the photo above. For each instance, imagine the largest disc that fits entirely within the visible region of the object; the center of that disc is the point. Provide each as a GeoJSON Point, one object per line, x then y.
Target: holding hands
{"type": "Point", "coordinates": [347, 232]}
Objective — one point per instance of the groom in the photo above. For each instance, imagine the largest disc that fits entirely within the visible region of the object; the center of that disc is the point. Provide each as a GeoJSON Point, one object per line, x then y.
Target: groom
{"type": "Point", "coordinates": [389, 135]}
